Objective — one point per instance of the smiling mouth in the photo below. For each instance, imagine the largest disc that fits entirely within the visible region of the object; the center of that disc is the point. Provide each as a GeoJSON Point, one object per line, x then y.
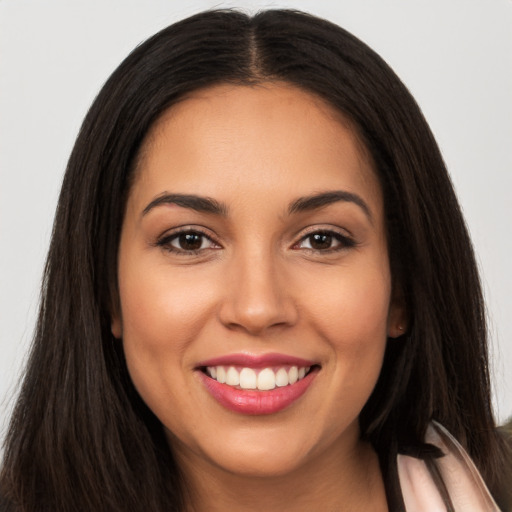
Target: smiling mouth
{"type": "Point", "coordinates": [261, 379]}
{"type": "Point", "coordinates": [257, 385]}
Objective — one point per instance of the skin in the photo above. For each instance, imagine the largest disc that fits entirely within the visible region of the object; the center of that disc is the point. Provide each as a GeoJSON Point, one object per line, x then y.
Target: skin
{"type": "Point", "coordinates": [256, 285]}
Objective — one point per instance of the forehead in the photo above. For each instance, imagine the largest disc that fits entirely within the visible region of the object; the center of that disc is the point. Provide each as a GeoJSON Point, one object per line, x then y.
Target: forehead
{"type": "Point", "coordinates": [267, 136]}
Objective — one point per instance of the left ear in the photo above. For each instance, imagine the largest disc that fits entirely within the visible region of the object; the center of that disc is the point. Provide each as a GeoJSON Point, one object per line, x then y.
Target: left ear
{"type": "Point", "coordinates": [397, 315]}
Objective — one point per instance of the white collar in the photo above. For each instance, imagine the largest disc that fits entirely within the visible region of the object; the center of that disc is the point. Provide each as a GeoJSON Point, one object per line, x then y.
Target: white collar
{"type": "Point", "coordinates": [463, 482]}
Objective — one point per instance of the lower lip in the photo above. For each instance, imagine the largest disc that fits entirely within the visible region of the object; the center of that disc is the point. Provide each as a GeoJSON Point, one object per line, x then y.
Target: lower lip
{"type": "Point", "coordinates": [248, 401]}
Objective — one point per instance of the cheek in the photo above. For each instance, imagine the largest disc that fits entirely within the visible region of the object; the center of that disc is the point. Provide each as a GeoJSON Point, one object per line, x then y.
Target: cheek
{"type": "Point", "coordinates": [354, 311]}
{"type": "Point", "coordinates": [351, 316]}
{"type": "Point", "coordinates": [161, 309]}
{"type": "Point", "coordinates": [162, 315]}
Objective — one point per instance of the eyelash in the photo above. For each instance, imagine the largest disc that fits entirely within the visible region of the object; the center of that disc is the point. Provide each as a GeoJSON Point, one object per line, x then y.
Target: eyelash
{"type": "Point", "coordinates": [344, 241]}
{"type": "Point", "coordinates": [166, 240]}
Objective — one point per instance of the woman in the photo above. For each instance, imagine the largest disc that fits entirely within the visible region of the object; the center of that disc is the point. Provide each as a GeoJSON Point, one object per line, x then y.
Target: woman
{"type": "Point", "coordinates": [260, 292]}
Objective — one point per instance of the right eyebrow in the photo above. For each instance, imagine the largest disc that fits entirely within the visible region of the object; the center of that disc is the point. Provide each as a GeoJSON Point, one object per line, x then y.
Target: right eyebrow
{"type": "Point", "coordinates": [194, 202]}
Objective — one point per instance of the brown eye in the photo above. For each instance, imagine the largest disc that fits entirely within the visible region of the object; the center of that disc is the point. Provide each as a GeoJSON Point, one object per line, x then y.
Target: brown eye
{"type": "Point", "coordinates": [320, 241]}
{"type": "Point", "coordinates": [188, 241]}
{"type": "Point", "coordinates": [325, 241]}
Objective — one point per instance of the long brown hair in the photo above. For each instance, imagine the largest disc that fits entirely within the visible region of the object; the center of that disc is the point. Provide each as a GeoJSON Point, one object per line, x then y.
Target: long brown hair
{"type": "Point", "coordinates": [80, 437]}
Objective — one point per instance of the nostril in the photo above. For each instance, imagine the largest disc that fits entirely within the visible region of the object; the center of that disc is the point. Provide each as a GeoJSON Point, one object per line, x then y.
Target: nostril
{"type": "Point", "coordinates": [256, 301]}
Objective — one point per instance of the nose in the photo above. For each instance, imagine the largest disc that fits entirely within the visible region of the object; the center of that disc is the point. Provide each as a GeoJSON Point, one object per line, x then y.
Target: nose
{"type": "Point", "coordinates": [257, 297]}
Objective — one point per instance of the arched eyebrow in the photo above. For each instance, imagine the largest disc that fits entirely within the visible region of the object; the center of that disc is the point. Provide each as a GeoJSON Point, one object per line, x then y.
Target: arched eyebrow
{"type": "Point", "coordinates": [194, 202]}
{"type": "Point", "coordinates": [322, 199]}
{"type": "Point", "coordinates": [306, 203]}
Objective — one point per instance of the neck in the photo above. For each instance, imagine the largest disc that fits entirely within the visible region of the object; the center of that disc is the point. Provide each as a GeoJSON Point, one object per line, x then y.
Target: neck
{"type": "Point", "coordinates": [329, 481]}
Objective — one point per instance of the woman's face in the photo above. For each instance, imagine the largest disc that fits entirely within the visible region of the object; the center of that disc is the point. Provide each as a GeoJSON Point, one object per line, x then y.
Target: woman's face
{"type": "Point", "coordinates": [255, 289]}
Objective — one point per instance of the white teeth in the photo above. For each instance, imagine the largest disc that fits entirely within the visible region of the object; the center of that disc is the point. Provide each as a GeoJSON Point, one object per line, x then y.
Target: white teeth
{"type": "Point", "coordinates": [248, 378]}
{"type": "Point", "coordinates": [282, 378]}
{"type": "Point", "coordinates": [232, 377]}
{"type": "Point", "coordinates": [266, 380]}
{"type": "Point", "coordinates": [263, 380]}
{"type": "Point", "coordinates": [221, 374]}
{"type": "Point", "coordinates": [293, 375]}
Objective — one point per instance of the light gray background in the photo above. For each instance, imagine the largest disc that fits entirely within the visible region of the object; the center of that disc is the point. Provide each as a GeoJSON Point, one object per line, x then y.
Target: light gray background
{"type": "Point", "coordinates": [454, 55]}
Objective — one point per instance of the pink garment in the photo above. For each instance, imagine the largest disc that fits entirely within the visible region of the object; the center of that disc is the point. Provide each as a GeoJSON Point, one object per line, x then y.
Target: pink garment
{"type": "Point", "coordinates": [465, 486]}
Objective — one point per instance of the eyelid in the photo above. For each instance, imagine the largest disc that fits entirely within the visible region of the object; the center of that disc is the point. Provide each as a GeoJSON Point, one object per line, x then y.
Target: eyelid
{"type": "Point", "coordinates": [325, 228]}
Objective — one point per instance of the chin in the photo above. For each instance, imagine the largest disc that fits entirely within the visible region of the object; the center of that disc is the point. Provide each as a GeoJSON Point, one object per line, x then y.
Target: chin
{"type": "Point", "coordinates": [249, 452]}
{"type": "Point", "coordinates": [253, 463]}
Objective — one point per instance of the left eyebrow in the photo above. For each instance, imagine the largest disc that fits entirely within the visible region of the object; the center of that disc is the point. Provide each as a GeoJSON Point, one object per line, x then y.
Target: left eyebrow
{"type": "Point", "coordinates": [322, 199]}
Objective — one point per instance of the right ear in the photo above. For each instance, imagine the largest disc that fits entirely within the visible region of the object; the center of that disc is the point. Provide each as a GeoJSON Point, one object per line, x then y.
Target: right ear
{"type": "Point", "coordinates": [116, 322]}
{"type": "Point", "coordinates": [116, 325]}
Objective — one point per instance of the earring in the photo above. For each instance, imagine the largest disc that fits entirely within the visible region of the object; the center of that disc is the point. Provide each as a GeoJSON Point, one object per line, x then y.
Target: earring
{"type": "Point", "coordinates": [398, 331]}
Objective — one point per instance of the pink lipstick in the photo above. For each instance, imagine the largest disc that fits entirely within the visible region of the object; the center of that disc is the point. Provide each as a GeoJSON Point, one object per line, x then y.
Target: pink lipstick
{"type": "Point", "coordinates": [257, 385]}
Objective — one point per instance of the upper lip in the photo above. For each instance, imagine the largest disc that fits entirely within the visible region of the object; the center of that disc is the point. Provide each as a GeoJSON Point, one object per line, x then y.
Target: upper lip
{"type": "Point", "coordinates": [256, 360]}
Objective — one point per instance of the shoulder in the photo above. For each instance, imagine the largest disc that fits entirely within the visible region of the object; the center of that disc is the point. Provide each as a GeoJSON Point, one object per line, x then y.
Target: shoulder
{"type": "Point", "coordinates": [452, 479]}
